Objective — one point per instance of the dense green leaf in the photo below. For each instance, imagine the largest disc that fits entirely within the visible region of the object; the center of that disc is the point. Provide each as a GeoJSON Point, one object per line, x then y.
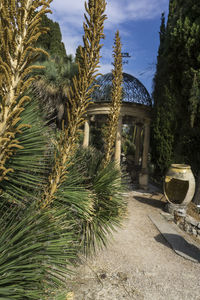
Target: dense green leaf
{"type": "Point", "coordinates": [31, 164]}
{"type": "Point", "coordinates": [109, 206]}
{"type": "Point", "coordinates": [36, 250]}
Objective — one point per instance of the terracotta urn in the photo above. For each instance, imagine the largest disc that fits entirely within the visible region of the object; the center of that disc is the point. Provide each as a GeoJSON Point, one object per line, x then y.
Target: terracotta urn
{"type": "Point", "coordinates": [179, 185]}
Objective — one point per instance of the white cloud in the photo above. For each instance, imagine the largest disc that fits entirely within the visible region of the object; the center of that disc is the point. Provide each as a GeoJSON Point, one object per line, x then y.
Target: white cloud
{"type": "Point", "coordinates": [73, 7]}
{"type": "Point", "coordinates": [145, 9]}
{"type": "Point", "coordinates": [107, 53]}
{"type": "Point", "coordinates": [119, 11]}
{"type": "Point", "coordinates": [71, 43]}
{"type": "Point", "coordinates": [105, 68]}
{"type": "Point", "coordinates": [70, 15]}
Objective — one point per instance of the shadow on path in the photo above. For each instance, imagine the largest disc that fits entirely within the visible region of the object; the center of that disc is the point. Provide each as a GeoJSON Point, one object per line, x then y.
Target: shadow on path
{"type": "Point", "coordinates": [160, 239]}
{"type": "Point", "coordinates": [150, 201]}
{"type": "Point", "coordinates": [180, 245]}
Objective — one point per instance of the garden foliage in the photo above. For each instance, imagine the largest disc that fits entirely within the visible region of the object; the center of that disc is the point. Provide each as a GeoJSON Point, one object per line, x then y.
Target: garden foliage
{"type": "Point", "coordinates": [52, 40]}
{"type": "Point", "coordinates": [55, 201]}
{"type": "Point", "coordinates": [175, 135]}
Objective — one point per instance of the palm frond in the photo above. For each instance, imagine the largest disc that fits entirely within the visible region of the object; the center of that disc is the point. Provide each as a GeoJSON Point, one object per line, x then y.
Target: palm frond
{"type": "Point", "coordinates": [109, 208]}
{"type": "Point", "coordinates": [36, 252]}
{"type": "Point", "coordinates": [52, 86]}
{"type": "Point", "coordinates": [30, 164]}
{"type": "Point", "coordinates": [74, 197]}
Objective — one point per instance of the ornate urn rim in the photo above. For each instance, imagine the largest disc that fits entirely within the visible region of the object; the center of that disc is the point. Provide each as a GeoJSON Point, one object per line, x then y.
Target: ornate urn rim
{"type": "Point", "coordinates": [180, 166]}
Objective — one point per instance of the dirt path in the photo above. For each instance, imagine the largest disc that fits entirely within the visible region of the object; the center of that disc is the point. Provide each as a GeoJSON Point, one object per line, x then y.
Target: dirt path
{"type": "Point", "coordinates": [139, 264]}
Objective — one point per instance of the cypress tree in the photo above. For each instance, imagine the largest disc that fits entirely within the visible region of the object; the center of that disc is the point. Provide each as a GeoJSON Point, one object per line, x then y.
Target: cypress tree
{"type": "Point", "coordinates": [52, 40]}
{"type": "Point", "coordinates": [176, 87]}
{"type": "Point", "coordinates": [163, 116]}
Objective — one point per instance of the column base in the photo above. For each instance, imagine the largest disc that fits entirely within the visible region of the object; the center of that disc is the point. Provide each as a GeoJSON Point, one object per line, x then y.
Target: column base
{"type": "Point", "coordinates": [143, 180]}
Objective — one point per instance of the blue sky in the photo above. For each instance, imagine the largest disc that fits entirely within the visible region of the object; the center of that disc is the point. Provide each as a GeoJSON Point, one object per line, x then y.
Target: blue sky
{"type": "Point", "coordinates": [138, 22]}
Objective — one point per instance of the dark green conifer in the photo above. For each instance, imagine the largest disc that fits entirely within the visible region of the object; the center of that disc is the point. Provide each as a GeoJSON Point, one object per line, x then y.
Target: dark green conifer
{"type": "Point", "coordinates": [176, 86]}
{"type": "Point", "coordinates": [52, 40]}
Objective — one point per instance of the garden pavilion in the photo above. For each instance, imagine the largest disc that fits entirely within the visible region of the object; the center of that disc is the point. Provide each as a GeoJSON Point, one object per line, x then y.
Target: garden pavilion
{"type": "Point", "coordinates": [135, 109]}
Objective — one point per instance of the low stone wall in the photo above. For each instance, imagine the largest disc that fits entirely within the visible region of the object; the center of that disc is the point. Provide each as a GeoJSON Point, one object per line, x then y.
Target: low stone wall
{"type": "Point", "coordinates": [188, 224]}
{"type": "Point", "coordinates": [178, 214]}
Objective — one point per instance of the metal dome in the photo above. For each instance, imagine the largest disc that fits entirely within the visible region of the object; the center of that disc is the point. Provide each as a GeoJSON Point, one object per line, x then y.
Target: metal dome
{"type": "Point", "coordinates": [133, 90]}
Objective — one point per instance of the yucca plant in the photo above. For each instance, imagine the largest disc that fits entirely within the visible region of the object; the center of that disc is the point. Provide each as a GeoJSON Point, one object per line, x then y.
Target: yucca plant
{"type": "Point", "coordinates": [36, 248]}
{"type": "Point", "coordinates": [49, 211]}
{"type": "Point", "coordinates": [46, 260]}
{"type": "Point", "coordinates": [31, 163]}
{"type": "Point", "coordinates": [19, 30]}
{"type": "Point", "coordinates": [79, 97]}
{"type": "Point", "coordinates": [36, 245]}
{"type": "Point", "coordinates": [116, 96]}
{"type": "Point", "coordinates": [103, 175]}
{"type": "Point", "coordinates": [39, 240]}
{"type": "Point", "coordinates": [107, 186]}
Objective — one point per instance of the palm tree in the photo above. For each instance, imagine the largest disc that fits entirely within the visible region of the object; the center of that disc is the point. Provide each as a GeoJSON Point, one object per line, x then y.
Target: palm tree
{"type": "Point", "coordinates": [52, 86]}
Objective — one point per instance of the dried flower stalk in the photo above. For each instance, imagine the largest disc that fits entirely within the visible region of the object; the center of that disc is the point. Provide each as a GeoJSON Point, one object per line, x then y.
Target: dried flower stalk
{"type": "Point", "coordinates": [19, 30]}
{"type": "Point", "coordinates": [79, 95]}
{"type": "Point", "coordinates": [116, 94]}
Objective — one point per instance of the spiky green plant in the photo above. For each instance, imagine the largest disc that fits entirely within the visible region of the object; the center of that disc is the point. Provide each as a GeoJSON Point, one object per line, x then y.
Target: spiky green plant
{"type": "Point", "coordinates": [36, 248]}
{"type": "Point", "coordinates": [107, 186]}
{"type": "Point", "coordinates": [116, 95]}
{"type": "Point", "coordinates": [19, 30]}
{"type": "Point", "coordinates": [38, 243]}
{"type": "Point", "coordinates": [31, 163]}
{"type": "Point", "coordinates": [41, 244]}
{"type": "Point", "coordinates": [79, 96]}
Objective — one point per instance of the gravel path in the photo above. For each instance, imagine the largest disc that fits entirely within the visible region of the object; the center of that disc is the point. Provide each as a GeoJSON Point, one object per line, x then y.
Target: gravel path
{"type": "Point", "coordinates": [139, 264]}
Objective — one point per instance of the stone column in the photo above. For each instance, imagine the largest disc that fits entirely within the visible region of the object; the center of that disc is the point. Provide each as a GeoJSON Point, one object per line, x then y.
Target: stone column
{"type": "Point", "coordinates": [86, 134]}
{"type": "Point", "coordinates": [118, 141]}
{"type": "Point", "coordinates": [143, 176]}
{"type": "Point", "coordinates": [146, 145]}
{"type": "Point", "coordinates": [138, 144]}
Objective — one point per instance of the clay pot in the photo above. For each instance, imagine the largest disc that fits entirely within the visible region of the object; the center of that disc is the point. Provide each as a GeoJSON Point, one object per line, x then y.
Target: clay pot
{"type": "Point", "coordinates": [179, 184]}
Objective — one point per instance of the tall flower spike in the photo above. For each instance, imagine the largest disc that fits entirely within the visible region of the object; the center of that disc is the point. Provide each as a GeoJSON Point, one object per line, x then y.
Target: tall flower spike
{"type": "Point", "coordinates": [19, 30]}
{"type": "Point", "coordinates": [110, 135]}
{"type": "Point", "coordinates": [79, 95]}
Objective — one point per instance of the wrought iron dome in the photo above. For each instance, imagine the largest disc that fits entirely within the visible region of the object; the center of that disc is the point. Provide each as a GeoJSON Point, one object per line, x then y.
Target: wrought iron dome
{"type": "Point", "coordinates": [133, 90]}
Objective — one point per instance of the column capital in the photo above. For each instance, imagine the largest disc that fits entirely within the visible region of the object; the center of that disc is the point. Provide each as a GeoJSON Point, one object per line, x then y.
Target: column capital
{"type": "Point", "coordinates": [147, 122]}
{"type": "Point", "coordinates": [139, 122]}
